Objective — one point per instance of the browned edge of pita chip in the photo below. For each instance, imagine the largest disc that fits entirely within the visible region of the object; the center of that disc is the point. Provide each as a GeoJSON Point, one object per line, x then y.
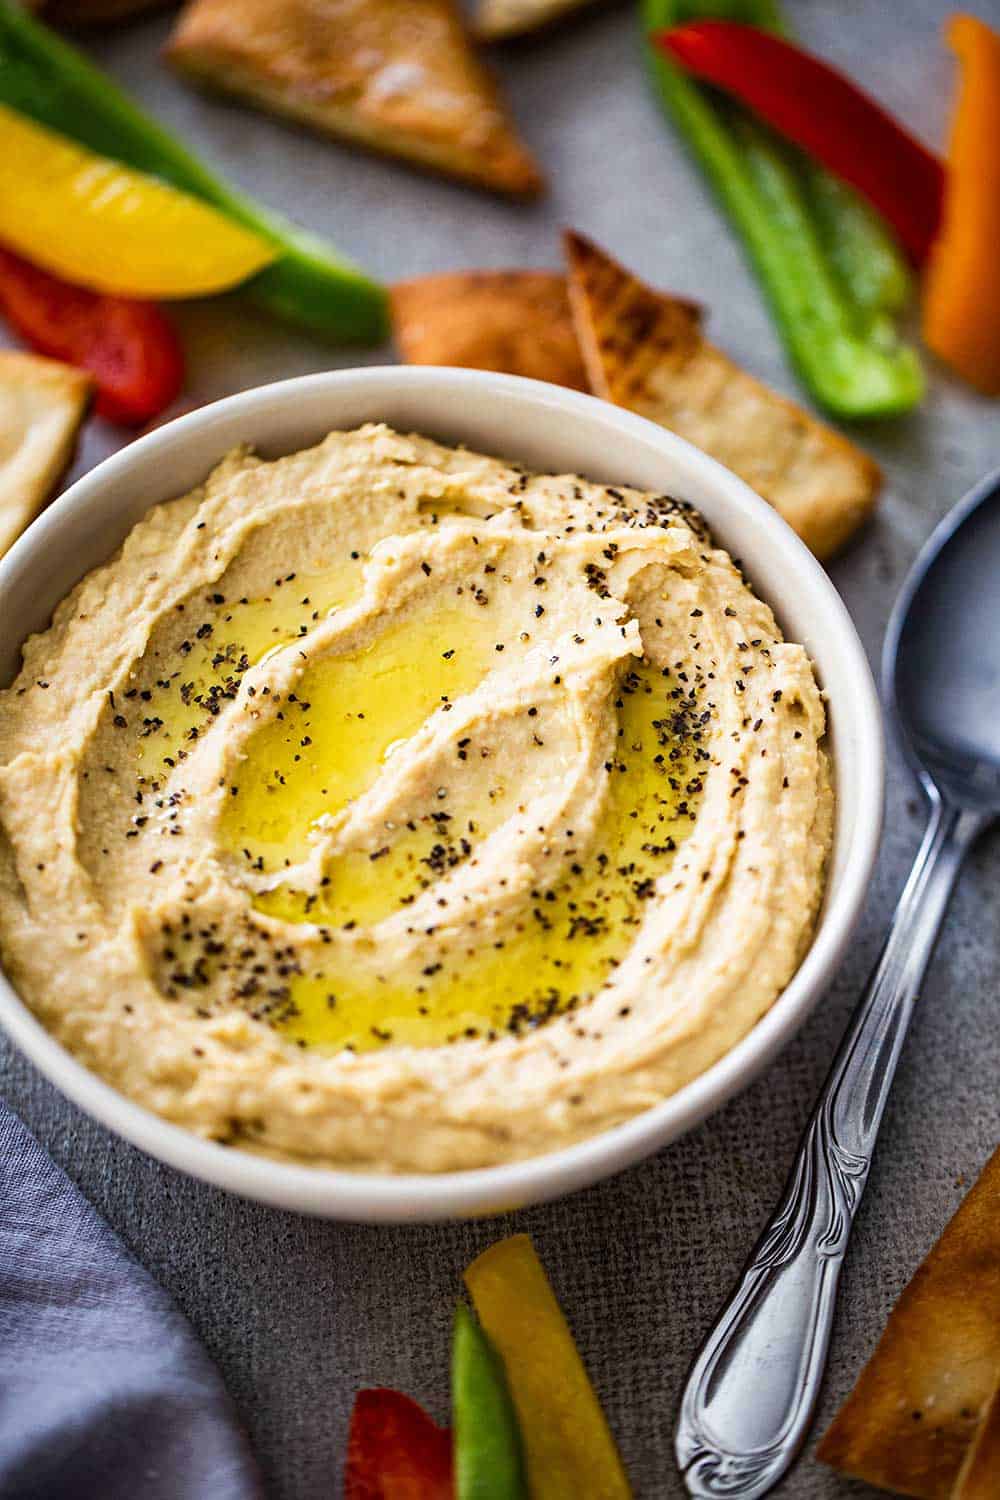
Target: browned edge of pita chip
{"type": "Point", "coordinates": [623, 327]}
{"type": "Point", "coordinates": [517, 322]}
{"type": "Point", "coordinates": [499, 20]}
{"type": "Point", "coordinates": [403, 80]}
{"type": "Point", "coordinates": [979, 1477]}
{"type": "Point", "coordinates": [913, 1413]}
{"type": "Point", "coordinates": [645, 350]}
{"type": "Point", "coordinates": [43, 404]}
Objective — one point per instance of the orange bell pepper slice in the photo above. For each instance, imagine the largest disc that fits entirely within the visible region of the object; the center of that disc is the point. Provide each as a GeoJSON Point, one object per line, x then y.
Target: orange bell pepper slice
{"type": "Point", "coordinates": [961, 314]}
{"type": "Point", "coordinates": [568, 1447]}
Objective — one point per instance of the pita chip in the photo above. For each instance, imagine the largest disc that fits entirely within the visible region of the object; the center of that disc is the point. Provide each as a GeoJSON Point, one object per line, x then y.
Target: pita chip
{"type": "Point", "coordinates": [645, 350]}
{"type": "Point", "coordinates": [979, 1477]}
{"type": "Point", "coordinates": [496, 19]}
{"type": "Point", "coordinates": [518, 322]}
{"type": "Point", "coordinates": [399, 78]}
{"type": "Point", "coordinates": [911, 1418]}
{"type": "Point", "coordinates": [42, 406]}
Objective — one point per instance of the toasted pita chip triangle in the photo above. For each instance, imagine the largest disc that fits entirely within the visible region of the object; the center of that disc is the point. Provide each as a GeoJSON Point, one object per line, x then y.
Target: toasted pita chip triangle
{"type": "Point", "coordinates": [979, 1477]}
{"type": "Point", "coordinates": [398, 77]}
{"type": "Point", "coordinates": [910, 1419]}
{"type": "Point", "coordinates": [496, 19]}
{"type": "Point", "coordinates": [515, 321]}
{"type": "Point", "coordinates": [645, 350]}
{"type": "Point", "coordinates": [42, 405]}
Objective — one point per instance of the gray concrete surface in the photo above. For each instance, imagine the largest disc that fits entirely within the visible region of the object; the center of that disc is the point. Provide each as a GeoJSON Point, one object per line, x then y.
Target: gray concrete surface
{"type": "Point", "coordinates": [298, 1313]}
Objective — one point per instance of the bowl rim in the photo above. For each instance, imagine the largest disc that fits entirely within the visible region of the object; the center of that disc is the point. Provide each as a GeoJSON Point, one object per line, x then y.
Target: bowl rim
{"type": "Point", "coordinates": [367, 1196]}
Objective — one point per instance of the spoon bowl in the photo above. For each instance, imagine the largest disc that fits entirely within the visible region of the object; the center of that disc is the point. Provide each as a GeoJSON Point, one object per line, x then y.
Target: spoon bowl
{"type": "Point", "coordinates": [942, 655]}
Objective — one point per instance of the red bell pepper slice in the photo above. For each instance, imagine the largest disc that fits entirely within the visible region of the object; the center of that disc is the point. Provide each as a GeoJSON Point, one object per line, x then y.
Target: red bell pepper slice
{"type": "Point", "coordinates": [395, 1451]}
{"type": "Point", "coordinates": [129, 347]}
{"type": "Point", "coordinates": [823, 112]}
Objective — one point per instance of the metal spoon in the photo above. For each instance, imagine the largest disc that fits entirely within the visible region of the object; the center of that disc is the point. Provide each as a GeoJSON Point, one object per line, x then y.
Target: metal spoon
{"type": "Point", "coordinates": [753, 1388]}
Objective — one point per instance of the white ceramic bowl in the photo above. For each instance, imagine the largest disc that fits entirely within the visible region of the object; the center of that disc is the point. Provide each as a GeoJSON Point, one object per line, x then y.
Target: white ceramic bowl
{"type": "Point", "coordinates": [549, 429]}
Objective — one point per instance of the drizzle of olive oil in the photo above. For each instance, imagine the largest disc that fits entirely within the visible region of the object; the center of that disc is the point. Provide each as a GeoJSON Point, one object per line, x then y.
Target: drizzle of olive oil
{"type": "Point", "coordinates": [330, 737]}
{"type": "Point", "coordinates": [560, 943]}
{"type": "Point", "coordinates": [225, 639]}
{"type": "Point", "coordinates": [362, 886]}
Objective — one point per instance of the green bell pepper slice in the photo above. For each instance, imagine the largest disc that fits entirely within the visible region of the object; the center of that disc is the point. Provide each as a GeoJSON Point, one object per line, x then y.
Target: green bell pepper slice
{"type": "Point", "coordinates": [489, 1464]}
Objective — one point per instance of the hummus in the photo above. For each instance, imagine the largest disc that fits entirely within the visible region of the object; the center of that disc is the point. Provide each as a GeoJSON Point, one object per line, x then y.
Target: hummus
{"type": "Point", "coordinates": [389, 806]}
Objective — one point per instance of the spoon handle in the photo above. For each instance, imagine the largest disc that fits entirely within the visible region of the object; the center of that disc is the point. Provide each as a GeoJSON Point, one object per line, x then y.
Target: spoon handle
{"type": "Point", "coordinates": [753, 1388]}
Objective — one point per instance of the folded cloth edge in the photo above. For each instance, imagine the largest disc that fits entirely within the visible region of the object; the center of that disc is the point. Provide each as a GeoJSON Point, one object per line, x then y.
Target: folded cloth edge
{"type": "Point", "coordinates": [105, 1391]}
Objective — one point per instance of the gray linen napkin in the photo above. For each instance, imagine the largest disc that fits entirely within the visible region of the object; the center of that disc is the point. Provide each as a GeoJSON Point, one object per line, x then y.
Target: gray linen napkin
{"type": "Point", "coordinates": [105, 1393]}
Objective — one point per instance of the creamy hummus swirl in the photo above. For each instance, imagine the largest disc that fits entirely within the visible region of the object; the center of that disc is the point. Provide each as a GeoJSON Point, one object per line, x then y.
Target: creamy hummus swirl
{"type": "Point", "coordinates": [388, 806]}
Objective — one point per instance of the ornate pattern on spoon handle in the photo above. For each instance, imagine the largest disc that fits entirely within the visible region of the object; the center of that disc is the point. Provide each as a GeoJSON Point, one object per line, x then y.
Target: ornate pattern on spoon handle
{"type": "Point", "coordinates": [752, 1391]}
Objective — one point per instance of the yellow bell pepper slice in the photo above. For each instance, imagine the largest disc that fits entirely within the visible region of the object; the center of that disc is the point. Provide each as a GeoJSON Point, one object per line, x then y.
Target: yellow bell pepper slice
{"type": "Point", "coordinates": [100, 224]}
{"type": "Point", "coordinates": [568, 1447]}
